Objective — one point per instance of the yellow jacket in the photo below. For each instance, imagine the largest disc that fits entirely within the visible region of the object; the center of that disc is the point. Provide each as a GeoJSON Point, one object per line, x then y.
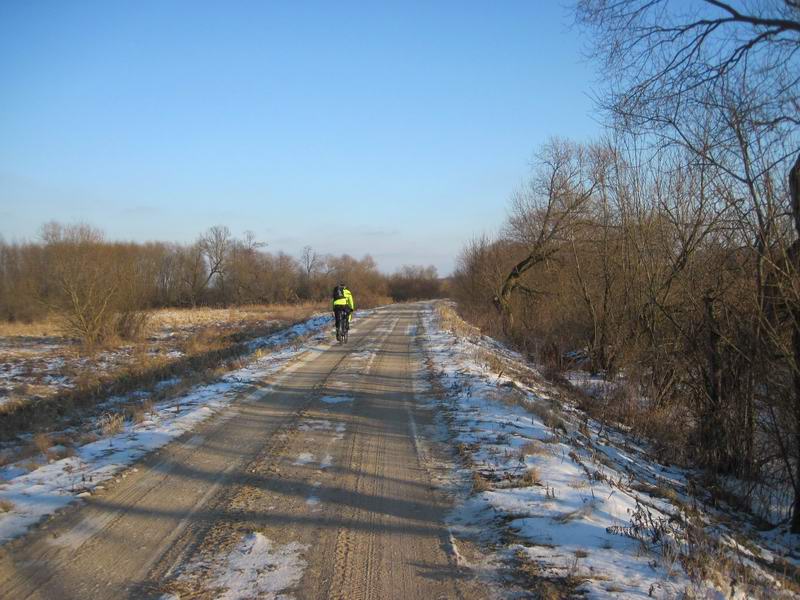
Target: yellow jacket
{"type": "Point", "coordinates": [346, 301]}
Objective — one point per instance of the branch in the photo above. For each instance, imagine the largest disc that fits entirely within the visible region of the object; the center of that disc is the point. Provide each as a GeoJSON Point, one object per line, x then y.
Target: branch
{"type": "Point", "coordinates": [738, 17]}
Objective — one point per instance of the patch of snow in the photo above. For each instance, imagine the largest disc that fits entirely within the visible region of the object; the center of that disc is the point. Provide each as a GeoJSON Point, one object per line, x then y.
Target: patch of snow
{"type": "Point", "coordinates": [304, 459]}
{"type": "Point", "coordinates": [258, 568]}
{"type": "Point", "coordinates": [336, 399]}
{"type": "Point", "coordinates": [315, 425]}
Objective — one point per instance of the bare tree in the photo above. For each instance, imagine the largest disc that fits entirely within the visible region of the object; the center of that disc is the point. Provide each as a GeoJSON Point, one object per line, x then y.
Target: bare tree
{"type": "Point", "coordinates": [310, 261]}
{"type": "Point", "coordinates": [215, 245]}
{"type": "Point", "coordinates": [720, 80]}
{"type": "Point", "coordinates": [543, 212]}
{"type": "Point", "coordinates": [662, 57]}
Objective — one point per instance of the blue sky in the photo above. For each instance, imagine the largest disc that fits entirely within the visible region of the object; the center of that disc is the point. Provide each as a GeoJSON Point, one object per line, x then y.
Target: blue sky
{"type": "Point", "coordinates": [398, 130]}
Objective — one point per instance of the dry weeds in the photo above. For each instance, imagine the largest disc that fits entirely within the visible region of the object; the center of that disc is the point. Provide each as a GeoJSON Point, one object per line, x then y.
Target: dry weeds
{"type": "Point", "coordinates": [43, 328]}
{"type": "Point", "coordinates": [533, 448]}
{"type": "Point", "coordinates": [532, 476]}
{"type": "Point", "coordinates": [479, 483]}
{"type": "Point", "coordinates": [194, 344]}
{"type": "Point", "coordinates": [111, 423]}
{"type": "Point", "coordinates": [449, 320]}
{"type": "Point", "coordinates": [42, 443]}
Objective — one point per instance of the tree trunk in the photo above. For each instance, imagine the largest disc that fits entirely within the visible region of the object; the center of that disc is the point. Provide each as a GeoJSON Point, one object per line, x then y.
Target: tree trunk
{"type": "Point", "coordinates": [796, 349]}
{"type": "Point", "coordinates": [713, 420]}
{"type": "Point", "coordinates": [794, 256]}
{"type": "Point", "coordinates": [502, 300]}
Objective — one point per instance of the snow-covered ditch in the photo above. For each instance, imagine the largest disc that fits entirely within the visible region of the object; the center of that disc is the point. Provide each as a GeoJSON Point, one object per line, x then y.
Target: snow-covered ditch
{"type": "Point", "coordinates": [26, 497]}
{"type": "Point", "coordinates": [578, 505]}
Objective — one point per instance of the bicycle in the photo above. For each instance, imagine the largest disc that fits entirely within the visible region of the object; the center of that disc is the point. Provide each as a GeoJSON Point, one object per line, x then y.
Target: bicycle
{"type": "Point", "coordinates": [343, 327]}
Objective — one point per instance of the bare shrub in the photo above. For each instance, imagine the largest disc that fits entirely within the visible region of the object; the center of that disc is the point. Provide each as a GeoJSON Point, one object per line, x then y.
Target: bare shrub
{"type": "Point", "coordinates": [132, 324]}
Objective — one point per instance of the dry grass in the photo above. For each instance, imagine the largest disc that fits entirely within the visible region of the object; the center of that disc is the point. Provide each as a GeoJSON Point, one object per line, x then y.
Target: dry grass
{"type": "Point", "coordinates": [206, 340]}
{"type": "Point", "coordinates": [533, 448]}
{"type": "Point", "coordinates": [42, 443]}
{"type": "Point", "coordinates": [6, 506]}
{"type": "Point", "coordinates": [532, 476]}
{"type": "Point", "coordinates": [549, 413]}
{"type": "Point", "coordinates": [664, 427]}
{"type": "Point", "coordinates": [544, 585]}
{"type": "Point", "coordinates": [490, 361]}
{"type": "Point", "coordinates": [87, 437]}
{"type": "Point", "coordinates": [182, 318]}
{"type": "Point", "coordinates": [47, 327]}
{"type": "Point", "coordinates": [137, 414]}
{"type": "Point", "coordinates": [479, 483]}
{"type": "Point", "coordinates": [12, 404]}
{"type": "Point", "coordinates": [449, 320]}
{"type": "Point", "coordinates": [177, 318]}
{"type": "Point", "coordinates": [112, 423]}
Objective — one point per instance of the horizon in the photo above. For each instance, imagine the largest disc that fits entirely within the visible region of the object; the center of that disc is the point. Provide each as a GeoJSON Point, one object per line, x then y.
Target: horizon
{"type": "Point", "coordinates": [414, 122]}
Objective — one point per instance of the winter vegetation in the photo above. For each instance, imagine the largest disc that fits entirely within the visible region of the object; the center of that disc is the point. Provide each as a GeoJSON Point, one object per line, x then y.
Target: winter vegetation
{"type": "Point", "coordinates": [102, 289]}
{"type": "Point", "coordinates": [663, 260]}
{"type": "Point", "coordinates": [577, 507]}
{"type": "Point", "coordinates": [82, 318]}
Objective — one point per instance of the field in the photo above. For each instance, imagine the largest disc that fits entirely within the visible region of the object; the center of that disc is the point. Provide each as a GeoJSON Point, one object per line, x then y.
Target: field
{"type": "Point", "coordinates": [50, 383]}
{"type": "Point", "coordinates": [37, 362]}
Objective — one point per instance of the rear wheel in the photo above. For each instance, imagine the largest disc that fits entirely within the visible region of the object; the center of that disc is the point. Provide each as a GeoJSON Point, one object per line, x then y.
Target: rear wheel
{"type": "Point", "coordinates": [341, 327]}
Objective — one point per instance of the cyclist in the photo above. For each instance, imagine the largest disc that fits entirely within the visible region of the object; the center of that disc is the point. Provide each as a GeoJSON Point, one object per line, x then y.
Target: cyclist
{"type": "Point", "coordinates": [343, 306]}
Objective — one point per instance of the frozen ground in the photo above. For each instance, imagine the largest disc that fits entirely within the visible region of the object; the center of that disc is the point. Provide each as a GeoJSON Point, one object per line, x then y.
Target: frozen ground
{"type": "Point", "coordinates": [580, 506]}
{"type": "Point", "coordinates": [28, 495]}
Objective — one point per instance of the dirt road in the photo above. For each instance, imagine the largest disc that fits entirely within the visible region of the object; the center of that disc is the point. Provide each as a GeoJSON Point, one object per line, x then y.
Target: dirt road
{"type": "Point", "coordinates": [323, 462]}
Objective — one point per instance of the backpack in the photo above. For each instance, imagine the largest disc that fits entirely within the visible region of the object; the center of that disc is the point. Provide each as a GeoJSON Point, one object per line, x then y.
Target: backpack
{"type": "Point", "coordinates": [338, 292]}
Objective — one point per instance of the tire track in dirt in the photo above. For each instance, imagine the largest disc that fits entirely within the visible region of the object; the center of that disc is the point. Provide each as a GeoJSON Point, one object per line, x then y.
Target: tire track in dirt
{"type": "Point", "coordinates": [243, 500]}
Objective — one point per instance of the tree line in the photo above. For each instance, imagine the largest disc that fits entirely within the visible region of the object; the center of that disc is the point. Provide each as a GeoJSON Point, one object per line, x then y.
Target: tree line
{"type": "Point", "coordinates": [103, 288]}
{"type": "Point", "coordinates": [667, 254]}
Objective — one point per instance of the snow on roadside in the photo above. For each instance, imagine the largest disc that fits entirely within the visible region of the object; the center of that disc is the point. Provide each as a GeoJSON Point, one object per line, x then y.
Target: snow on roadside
{"type": "Point", "coordinates": [557, 491]}
{"type": "Point", "coordinates": [27, 498]}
